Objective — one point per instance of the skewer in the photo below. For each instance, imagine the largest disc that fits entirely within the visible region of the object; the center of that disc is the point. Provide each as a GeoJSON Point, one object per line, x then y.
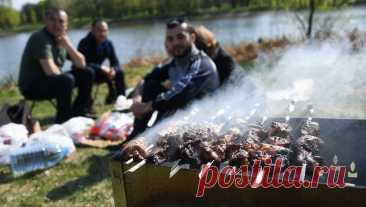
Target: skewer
{"type": "Point", "coordinates": [129, 161]}
{"type": "Point", "coordinates": [205, 169]}
{"type": "Point", "coordinates": [136, 167]}
{"type": "Point", "coordinates": [310, 111]}
{"type": "Point", "coordinates": [140, 164]}
{"type": "Point", "coordinates": [287, 119]}
{"type": "Point", "coordinates": [350, 185]}
{"type": "Point", "coordinates": [252, 112]}
{"type": "Point", "coordinates": [290, 108]}
{"type": "Point", "coordinates": [264, 119]}
{"type": "Point", "coordinates": [175, 164]}
{"type": "Point", "coordinates": [153, 118]}
{"type": "Point", "coordinates": [176, 170]}
{"type": "Point", "coordinates": [149, 147]}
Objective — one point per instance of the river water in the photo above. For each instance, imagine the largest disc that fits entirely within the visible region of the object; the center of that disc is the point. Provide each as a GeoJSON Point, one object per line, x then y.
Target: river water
{"type": "Point", "coordinates": [144, 39]}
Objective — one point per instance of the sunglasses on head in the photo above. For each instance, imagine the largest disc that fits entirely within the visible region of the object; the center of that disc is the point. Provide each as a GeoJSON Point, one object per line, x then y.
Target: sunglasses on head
{"type": "Point", "coordinates": [175, 23]}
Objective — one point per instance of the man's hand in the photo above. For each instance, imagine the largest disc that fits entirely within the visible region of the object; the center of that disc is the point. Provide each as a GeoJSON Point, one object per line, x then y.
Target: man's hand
{"type": "Point", "coordinates": [64, 41]}
{"type": "Point", "coordinates": [139, 109]}
{"type": "Point", "coordinates": [110, 72]}
{"type": "Point", "coordinates": [135, 149]}
{"type": "Point", "coordinates": [77, 58]}
{"type": "Point", "coordinates": [167, 85]}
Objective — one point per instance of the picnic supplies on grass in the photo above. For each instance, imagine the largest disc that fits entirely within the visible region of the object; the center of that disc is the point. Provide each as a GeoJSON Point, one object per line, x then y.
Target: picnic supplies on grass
{"type": "Point", "coordinates": [78, 128]}
{"type": "Point", "coordinates": [35, 157]}
{"type": "Point", "coordinates": [12, 136]}
{"type": "Point", "coordinates": [19, 113]}
{"type": "Point", "coordinates": [55, 134]}
{"type": "Point", "coordinates": [112, 126]}
{"type": "Point", "coordinates": [122, 103]}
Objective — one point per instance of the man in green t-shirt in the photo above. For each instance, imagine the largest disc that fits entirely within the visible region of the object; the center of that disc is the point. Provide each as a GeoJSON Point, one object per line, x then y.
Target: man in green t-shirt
{"type": "Point", "coordinates": [41, 76]}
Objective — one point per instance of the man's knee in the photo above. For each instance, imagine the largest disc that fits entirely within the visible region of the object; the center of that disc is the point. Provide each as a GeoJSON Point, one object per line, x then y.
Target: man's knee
{"type": "Point", "coordinates": [66, 82]}
{"type": "Point", "coordinates": [119, 73]}
{"type": "Point", "coordinates": [88, 73]}
{"type": "Point", "coordinates": [85, 75]}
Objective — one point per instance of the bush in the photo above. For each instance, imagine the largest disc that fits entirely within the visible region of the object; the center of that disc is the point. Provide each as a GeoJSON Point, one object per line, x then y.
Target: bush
{"type": "Point", "coordinates": [9, 18]}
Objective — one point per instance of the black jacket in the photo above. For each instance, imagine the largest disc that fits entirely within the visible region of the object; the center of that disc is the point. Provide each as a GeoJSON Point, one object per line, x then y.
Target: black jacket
{"type": "Point", "coordinates": [225, 64]}
{"type": "Point", "coordinates": [96, 54]}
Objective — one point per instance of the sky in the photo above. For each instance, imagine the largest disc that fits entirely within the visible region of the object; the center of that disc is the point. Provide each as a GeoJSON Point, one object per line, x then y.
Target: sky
{"type": "Point", "coordinates": [17, 4]}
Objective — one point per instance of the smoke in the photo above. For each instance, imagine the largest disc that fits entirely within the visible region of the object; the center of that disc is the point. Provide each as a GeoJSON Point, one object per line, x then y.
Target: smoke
{"type": "Point", "coordinates": [327, 75]}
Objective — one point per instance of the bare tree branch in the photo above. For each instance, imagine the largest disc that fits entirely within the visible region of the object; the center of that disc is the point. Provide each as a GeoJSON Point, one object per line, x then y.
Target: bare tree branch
{"type": "Point", "coordinates": [310, 20]}
{"type": "Point", "coordinates": [301, 21]}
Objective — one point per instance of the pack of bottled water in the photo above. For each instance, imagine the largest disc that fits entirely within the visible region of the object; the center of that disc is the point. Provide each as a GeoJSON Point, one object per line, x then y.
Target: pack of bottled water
{"type": "Point", "coordinates": [34, 157]}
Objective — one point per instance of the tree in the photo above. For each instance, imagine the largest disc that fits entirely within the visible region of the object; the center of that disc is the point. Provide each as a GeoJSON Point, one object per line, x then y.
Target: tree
{"type": "Point", "coordinates": [311, 17]}
{"type": "Point", "coordinates": [28, 14]}
{"type": "Point", "coordinates": [307, 22]}
{"type": "Point", "coordinates": [9, 18]}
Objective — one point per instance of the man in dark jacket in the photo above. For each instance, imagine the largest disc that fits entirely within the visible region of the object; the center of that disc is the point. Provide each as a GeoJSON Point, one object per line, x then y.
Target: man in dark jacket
{"type": "Point", "coordinates": [96, 48]}
{"type": "Point", "coordinates": [206, 41]}
{"type": "Point", "coordinates": [190, 72]}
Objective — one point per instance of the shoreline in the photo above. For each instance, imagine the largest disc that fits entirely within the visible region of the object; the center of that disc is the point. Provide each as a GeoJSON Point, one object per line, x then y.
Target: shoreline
{"type": "Point", "coordinates": [196, 16]}
{"type": "Point", "coordinates": [84, 23]}
{"type": "Point", "coordinates": [118, 22]}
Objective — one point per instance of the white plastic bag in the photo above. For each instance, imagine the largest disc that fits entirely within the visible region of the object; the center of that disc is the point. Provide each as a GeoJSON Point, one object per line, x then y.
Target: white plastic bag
{"type": "Point", "coordinates": [12, 136]}
{"type": "Point", "coordinates": [55, 134]}
{"type": "Point", "coordinates": [78, 128]}
{"type": "Point", "coordinates": [122, 103]}
{"type": "Point", "coordinates": [5, 151]}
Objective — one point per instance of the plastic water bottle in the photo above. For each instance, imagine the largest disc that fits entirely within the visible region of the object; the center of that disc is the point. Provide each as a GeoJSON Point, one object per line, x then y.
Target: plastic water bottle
{"type": "Point", "coordinates": [35, 157]}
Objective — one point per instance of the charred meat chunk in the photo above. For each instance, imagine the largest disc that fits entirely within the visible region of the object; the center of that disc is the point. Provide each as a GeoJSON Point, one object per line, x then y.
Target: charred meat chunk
{"type": "Point", "coordinates": [278, 129]}
{"type": "Point", "coordinates": [310, 143]}
{"type": "Point", "coordinates": [310, 128]}
{"type": "Point", "coordinates": [278, 141]}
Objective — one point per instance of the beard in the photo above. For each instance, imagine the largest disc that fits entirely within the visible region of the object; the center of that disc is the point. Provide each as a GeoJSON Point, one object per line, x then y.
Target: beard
{"type": "Point", "coordinates": [185, 52]}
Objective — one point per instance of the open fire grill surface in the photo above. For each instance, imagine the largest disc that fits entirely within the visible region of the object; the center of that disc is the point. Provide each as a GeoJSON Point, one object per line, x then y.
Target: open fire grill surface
{"type": "Point", "coordinates": [326, 142]}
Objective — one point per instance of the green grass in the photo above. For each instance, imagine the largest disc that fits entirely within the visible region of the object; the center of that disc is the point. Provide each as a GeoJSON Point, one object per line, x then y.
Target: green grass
{"type": "Point", "coordinates": [81, 180]}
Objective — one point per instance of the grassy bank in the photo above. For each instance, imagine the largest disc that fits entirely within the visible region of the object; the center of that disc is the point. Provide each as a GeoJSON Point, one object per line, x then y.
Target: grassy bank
{"type": "Point", "coordinates": [81, 180]}
{"type": "Point", "coordinates": [134, 19]}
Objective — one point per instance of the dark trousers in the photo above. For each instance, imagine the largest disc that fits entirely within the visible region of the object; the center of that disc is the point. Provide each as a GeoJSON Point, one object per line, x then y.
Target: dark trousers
{"type": "Point", "coordinates": [60, 87]}
{"type": "Point", "coordinates": [116, 88]}
{"type": "Point", "coordinates": [150, 91]}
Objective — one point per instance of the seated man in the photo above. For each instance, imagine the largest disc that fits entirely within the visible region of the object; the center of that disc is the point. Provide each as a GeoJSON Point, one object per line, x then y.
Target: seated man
{"type": "Point", "coordinates": [191, 74]}
{"type": "Point", "coordinates": [41, 76]}
{"type": "Point", "coordinates": [96, 49]}
{"type": "Point", "coordinates": [206, 41]}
